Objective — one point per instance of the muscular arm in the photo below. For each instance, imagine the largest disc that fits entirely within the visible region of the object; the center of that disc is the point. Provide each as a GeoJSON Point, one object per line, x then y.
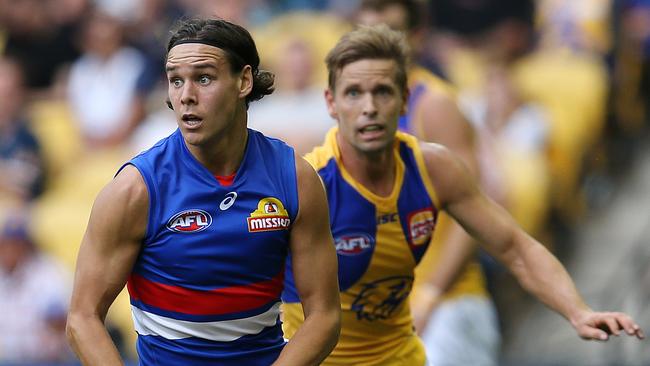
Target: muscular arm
{"type": "Point", "coordinates": [439, 120]}
{"type": "Point", "coordinates": [108, 251]}
{"type": "Point", "coordinates": [315, 274]}
{"type": "Point", "coordinates": [536, 269]}
{"type": "Point", "coordinates": [455, 253]}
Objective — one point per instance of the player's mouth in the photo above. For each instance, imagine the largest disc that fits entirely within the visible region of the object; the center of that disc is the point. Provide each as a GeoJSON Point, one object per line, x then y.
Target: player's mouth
{"type": "Point", "coordinates": [191, 120]}
{"type": "Point", "coordinates": [372, 131]}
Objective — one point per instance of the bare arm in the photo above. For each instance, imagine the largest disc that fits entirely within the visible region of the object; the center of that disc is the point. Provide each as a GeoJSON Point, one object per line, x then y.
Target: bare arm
{"type": "Point", "coordinates": [456, 250]}
{"type": "Point", "coordinates": [438, 119]}
{"type": "Point", "coordinates": [315, 274]}
{"type": "Point", "coordinates": [536, 269]}
{"type": "Point", "coordinates": [108, 251]}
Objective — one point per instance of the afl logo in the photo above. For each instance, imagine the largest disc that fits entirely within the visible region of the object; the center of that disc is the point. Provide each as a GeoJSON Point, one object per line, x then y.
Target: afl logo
{"type": "Point", "coordinates": [189, 221]}
{"type": "Point", "coordinates": [353, 244]}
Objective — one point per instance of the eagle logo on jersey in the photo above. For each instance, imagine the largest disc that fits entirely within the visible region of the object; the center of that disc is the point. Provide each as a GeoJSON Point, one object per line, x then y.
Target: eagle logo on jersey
{"type": "Point", "coordinates": [270, 215]}
{"type": "Point", "coordinates": [189, 221]}
{"type": "Point", "coordinates": [380, 299]}
{"type": "Point", "coordinates": [420, 225]}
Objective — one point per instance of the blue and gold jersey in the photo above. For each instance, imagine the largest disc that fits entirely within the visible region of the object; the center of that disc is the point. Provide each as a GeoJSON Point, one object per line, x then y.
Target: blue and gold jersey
{"type": "Point", "coordinates": [379, 242]}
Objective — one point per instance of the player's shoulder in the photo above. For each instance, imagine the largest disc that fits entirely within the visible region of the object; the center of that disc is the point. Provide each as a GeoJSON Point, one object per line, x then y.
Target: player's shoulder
{"type": "Point", "coordinates": [128, 188]}
{"type": "Point", "coordinates": [270, 148]}
{"type": "Point", "coordinates": [438, 158]}
{"type": "Point", "coordinates": [160, 147]}
{"type": "Point", "coordinates": [446, 170]}
{"type": "Point", "coordinates": [427, 149]}
{"type": "Point", "coordinates": [321, 155]}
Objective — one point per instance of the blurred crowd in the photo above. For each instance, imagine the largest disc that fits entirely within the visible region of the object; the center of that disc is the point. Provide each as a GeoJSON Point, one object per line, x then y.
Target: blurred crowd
{"type": "Point", "coordinates": [557, 92]}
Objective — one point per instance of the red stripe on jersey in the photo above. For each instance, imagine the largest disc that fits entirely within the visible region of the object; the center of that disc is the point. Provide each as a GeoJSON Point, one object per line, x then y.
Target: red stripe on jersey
{"type": "Point", "coordinates": [215, 302]}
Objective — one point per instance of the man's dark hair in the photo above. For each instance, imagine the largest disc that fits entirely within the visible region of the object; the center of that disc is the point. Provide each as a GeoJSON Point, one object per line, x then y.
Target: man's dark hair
{"type": "Point", "coordinates": [414, 11]}
{"type": "Point", "coordinates": [234, 40]}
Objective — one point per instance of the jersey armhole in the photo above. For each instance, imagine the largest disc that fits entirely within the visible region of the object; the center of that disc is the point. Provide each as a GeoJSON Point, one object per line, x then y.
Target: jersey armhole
{"type": "Point", "coordinates": [151, 190]}
{"type": "Point", "coordinates": [424, 172]}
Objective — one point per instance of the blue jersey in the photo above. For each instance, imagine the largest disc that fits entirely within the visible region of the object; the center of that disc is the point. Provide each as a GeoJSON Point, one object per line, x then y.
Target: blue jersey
{"type": "Point", "coordinates": [206, 286]}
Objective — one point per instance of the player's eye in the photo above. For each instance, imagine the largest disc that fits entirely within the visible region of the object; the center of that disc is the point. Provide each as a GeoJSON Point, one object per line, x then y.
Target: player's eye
{"type": "Point", "coordinates": [352, 93]}
{"type": "Point", "coordinates": [384, 91]}
{"type": "Point", "coordinates": [204, 80]}
{"type": "Point", "coordinates": [176, 82]}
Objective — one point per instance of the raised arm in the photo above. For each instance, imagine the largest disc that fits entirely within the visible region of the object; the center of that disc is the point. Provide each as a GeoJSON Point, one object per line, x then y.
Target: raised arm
{"type": "Point", "coordinates": [315, 273]}
{"type": "Point", "coordinates": [108, 250]}
{"type": "Point", "coordinates": [536, 269]}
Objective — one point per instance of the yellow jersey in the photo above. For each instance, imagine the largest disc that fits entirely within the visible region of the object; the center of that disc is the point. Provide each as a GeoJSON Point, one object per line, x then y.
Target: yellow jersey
{"type": "Point", "coordinates": [379, 241]}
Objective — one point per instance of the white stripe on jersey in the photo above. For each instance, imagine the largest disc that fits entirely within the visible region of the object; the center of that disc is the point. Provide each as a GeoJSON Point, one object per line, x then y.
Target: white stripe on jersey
{"type": "Point", "coordinates": [147, 323]}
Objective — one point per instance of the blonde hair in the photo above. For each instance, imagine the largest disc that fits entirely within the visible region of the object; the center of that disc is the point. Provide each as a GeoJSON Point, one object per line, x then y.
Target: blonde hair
{"type": "Point", "coordinates": [369, 42]}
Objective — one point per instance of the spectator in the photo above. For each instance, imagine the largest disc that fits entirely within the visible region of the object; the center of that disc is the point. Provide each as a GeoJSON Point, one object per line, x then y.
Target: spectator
{"type": "Point", "coordinates": [21, 162]}
{"type": "Point", "coordinates": [40, 35]}
{"type": "Point", "coordinates": [103, 84]}
{"type": "Point", "coordinates": [297, 112]}
{"type": "Point", "coordinates": [33, 299]}
{"type": "Point", "coordinates": [569, 86]}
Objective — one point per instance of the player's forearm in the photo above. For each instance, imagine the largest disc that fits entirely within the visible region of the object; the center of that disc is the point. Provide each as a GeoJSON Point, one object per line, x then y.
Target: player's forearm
{"type": "Point", "coordinates": [541, 274]}
{"type": "Point", "coordinates": [90, 341]}
{"type": "Point", "coordinates": [313, 341]}
{"type": "Point", "coordinates": [457, 250]}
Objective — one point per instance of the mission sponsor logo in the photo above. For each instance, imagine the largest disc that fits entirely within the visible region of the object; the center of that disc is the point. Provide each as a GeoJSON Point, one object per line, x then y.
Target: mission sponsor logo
{"type": "Point", "coordinates": [189, 221]}
{"type": "Point", "coordinates": [353, 244]}
{"type": "Point", "coordinates": [421, 224]}
{"type": "Point", "coordinates": [270, 215]}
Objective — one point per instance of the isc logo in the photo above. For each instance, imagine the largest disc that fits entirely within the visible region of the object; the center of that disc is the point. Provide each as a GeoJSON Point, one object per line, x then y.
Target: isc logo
{"type": "Point", "coordinates": [386, 218]}
{"type": "Point", "coordinates": [352, 244]}
{"type": "Point", "coordinates": [189, 221]}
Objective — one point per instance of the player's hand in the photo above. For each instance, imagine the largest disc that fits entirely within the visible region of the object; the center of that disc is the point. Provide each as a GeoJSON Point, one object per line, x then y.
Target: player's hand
{"type": "Point", "coordinates": [593, 325]}
{"type": "Point", "coordinates": [423, 302]}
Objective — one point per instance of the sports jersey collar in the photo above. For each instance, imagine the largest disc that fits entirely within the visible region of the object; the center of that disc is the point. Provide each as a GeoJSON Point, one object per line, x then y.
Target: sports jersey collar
{"type": "Point", "coordinates": [204, 173]}
{"type": "Point", "coordinates": [382, 203]}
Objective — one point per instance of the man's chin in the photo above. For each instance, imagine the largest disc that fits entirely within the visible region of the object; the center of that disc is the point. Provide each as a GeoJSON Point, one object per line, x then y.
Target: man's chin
{"type": "Point", "coordinates": [373, 147]}
{"type": "Point", "coordinates": [193, 138]}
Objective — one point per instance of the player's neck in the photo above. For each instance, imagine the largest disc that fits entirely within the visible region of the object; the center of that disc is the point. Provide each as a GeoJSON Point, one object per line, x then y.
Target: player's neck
{"type": "Point", "coordinates": [375, 171]}
{"type": "Point", "coordinates": [223, 155]}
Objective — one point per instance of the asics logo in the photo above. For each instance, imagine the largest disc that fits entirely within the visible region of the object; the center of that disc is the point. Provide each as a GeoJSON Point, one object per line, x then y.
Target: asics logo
{"type": "Point", "coordinates": [228, 201]}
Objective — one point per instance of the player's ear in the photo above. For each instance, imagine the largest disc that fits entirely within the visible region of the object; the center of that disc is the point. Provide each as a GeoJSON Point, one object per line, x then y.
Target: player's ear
{"type": "Point", "coordinates": [169, 104]}
{"type": "Point", "coordinates": [245, 81]}
{"type": "Point", "coordinates": [331, 104]}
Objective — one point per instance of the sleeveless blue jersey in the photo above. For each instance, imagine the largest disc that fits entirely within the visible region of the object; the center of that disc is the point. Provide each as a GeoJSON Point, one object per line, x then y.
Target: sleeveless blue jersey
{"type": "Point", "coordinates": [205, 289]}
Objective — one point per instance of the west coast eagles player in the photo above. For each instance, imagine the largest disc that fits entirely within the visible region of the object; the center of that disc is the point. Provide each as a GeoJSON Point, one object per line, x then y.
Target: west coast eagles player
{"type": "Point", "coordinates": [385, 189]}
